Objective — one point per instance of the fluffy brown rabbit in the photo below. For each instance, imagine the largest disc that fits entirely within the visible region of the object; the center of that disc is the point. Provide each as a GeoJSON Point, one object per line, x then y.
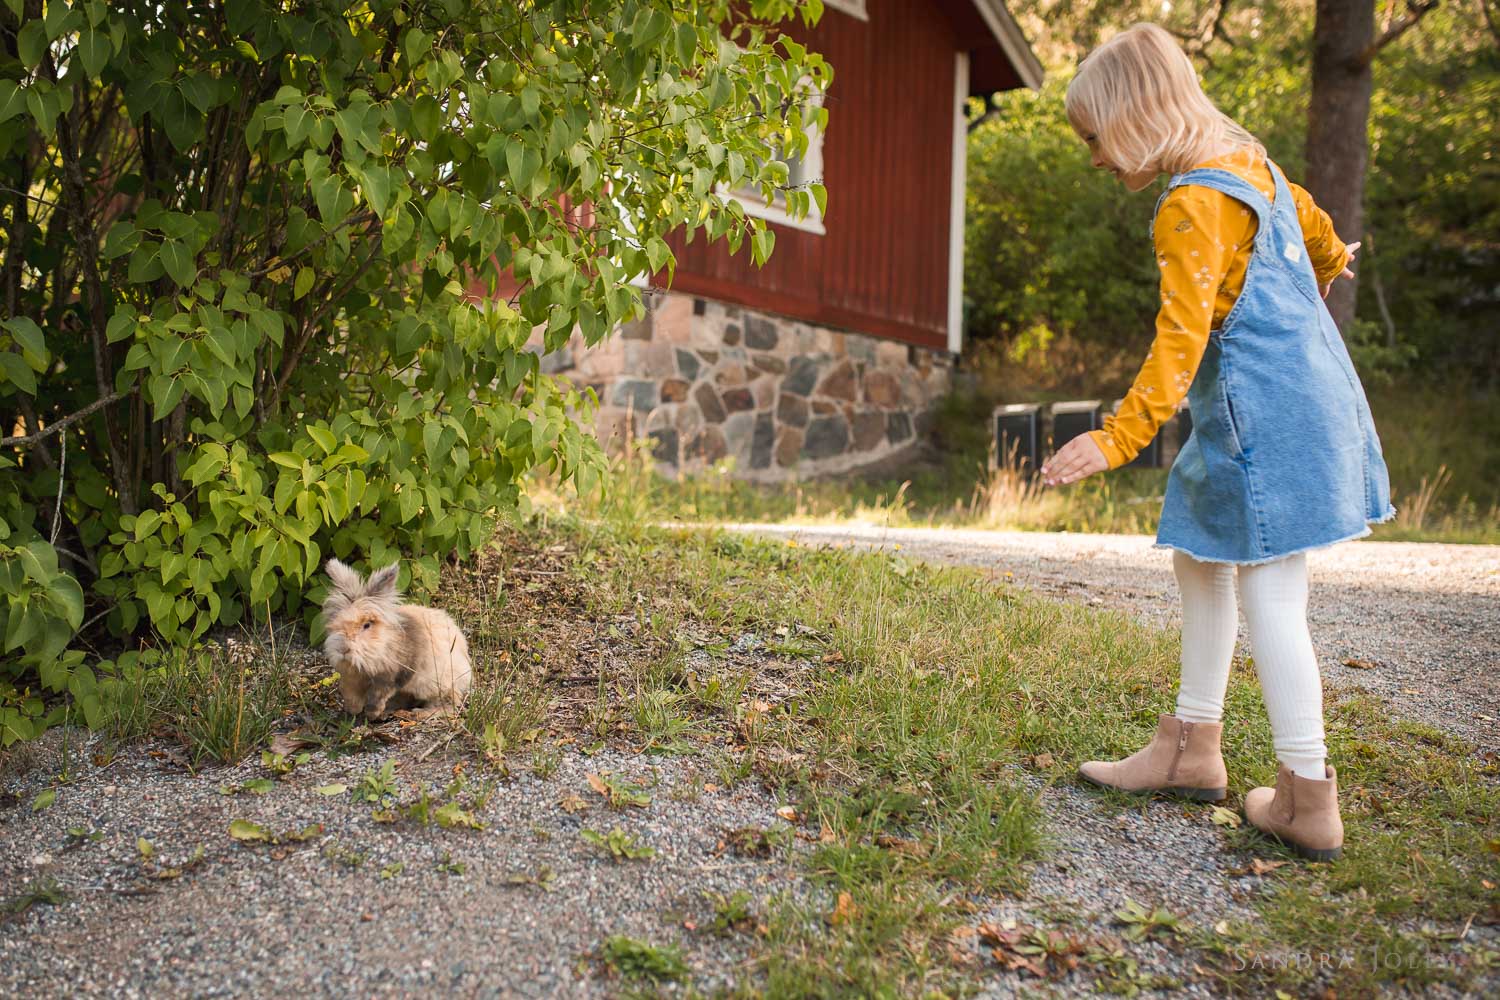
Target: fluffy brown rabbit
{"type": "Point", "coordinates": [391, 655]}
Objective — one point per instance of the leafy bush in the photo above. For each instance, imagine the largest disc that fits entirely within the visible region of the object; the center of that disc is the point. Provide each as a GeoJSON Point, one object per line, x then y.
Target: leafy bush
{"type": "Point", "coordinates": [250, 256]}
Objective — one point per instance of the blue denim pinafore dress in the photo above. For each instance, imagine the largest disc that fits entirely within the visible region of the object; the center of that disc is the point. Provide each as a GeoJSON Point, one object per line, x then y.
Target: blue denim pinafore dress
{"type": "Point", "coordinates": [1283, 456]}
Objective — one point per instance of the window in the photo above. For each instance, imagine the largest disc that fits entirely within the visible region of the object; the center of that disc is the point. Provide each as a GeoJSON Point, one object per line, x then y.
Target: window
{"type": "Point", "coordinates": [801, 170]}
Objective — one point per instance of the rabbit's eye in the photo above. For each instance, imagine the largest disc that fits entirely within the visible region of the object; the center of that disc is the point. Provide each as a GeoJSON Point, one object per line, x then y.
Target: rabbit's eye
{"type": "Point", "coordinates": [366, 625]}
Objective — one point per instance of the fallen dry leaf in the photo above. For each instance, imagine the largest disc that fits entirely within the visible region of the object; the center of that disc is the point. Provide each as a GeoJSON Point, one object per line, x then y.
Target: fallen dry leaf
{"type": "Point", "coordinates": [843, 910]}
{"type": "Point", "coordinates": [1261, 866]}
{"type": "Point", "coordinates": [598, 785]}
{"type": "Point", "coordinates": [788, 813]}
{"type": "Point", "coordinates": [287, 743]}
{"type": "Point", "coordinates": [1360, 664]}
{"type": "Point", "coordinates": [1042, 761]}
{"type": "Point", "coordinates": [573, 803]}
{"type": "Point", "coordinates": [1224, 817]}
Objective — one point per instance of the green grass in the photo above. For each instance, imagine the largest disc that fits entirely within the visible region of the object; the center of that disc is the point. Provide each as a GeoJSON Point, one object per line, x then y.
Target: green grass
{"type": "Point", "coordinates": [220, 701]}
{"type": "Point", "coordinates": [934, 686]}
{"type": "Point", "coordinates": [1441, 447]}
{"type": "Point", "coordinates": [902, 740]}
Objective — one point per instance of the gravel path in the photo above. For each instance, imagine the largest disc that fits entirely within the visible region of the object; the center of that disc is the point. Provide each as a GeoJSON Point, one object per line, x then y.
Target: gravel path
{"type": "Point", "coordinates": [300, 919]}
{"type": "Point", "coordinates": [1420, 621]}
{"type": "Point", "coordinates": [294, 920]}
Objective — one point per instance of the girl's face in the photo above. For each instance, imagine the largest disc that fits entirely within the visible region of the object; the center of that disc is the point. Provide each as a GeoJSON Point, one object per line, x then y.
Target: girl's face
{"type": "Point", "coordinates": [1133, 181]}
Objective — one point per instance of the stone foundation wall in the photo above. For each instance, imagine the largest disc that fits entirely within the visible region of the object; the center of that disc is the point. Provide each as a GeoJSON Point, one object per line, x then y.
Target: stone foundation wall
{"type": "Point", "coordinates": [704, 381]}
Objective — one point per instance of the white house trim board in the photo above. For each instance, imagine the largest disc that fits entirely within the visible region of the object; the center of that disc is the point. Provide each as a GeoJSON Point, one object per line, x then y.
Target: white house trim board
{"type": "Point", "coordinates": [959, 177]}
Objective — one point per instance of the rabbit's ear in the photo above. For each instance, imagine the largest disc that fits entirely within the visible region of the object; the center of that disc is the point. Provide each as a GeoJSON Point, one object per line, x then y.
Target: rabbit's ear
{"type": "Point", "coordinates": [344, 579]}
{"type": "Point", "coordinates": [382, 583]}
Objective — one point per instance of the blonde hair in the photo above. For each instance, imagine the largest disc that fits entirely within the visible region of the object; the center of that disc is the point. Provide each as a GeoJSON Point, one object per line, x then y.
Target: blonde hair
{"type": "Point", "coordinates": [1139, 95]}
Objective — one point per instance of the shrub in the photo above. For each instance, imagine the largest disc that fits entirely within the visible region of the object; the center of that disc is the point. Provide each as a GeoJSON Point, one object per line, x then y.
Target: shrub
{"type": "Point", "coordinates": [250, 257]}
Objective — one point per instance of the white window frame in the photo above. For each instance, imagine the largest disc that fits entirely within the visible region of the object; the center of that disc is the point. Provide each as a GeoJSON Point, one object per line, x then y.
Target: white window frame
{"type": "Point", "coordinates": [754, 203]}
{"type": "Point", "coordinates": [854, 8]}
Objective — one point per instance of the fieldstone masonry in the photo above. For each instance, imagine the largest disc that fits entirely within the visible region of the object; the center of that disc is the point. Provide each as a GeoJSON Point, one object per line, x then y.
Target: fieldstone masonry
{"type": "Point", "coordinates": [706, 381]}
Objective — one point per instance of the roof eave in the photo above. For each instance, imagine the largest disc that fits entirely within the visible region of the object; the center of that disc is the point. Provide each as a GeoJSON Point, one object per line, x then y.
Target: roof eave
{"type": "Point", "coordinates": [1012, 41]}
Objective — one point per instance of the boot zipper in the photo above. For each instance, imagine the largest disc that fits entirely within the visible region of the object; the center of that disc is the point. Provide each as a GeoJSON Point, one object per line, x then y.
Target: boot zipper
{"type": "Point", "coordinates": [1182, 741]}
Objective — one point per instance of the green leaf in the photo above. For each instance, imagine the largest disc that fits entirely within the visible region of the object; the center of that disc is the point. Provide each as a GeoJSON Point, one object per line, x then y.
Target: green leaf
{"type": "Point", "coordinates": [685, 43]}
{"type": "Point", "coordinates": [44, 799]}
{"type": "Point", "coordinates": [334, 789]}
{"type": "Point", "coordinates": [12, 100]}
{"type": "Point", "coordinates": [16, 371]}
{"type": "Point", "coordinates": [247, 832]}
{"type": "Point", "coordinates": [178, 260]}
{"type": "Point", "coordinates": [323, 437]}
{"type": "Point", "coordinates": [94, 49]}
{"type": "Point", "coordinates": [658, 253]}
{"type": "Point", "coordinates": [29, 336]}
{"type": "Point", "coordinates": [416, 45]}
{"type": "Point", "coordinates": [31, 43]}
{"type": "Point", "coordinates": [304, 282]}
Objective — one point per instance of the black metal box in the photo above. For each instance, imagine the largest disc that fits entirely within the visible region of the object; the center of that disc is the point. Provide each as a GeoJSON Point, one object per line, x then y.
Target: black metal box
{"type": "Point", "coordinates": [1074, 418]}
{"type": "Point", "coordinates": [1018, 435]}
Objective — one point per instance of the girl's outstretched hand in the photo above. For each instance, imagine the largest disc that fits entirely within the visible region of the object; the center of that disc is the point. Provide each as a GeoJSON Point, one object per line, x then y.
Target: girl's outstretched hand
{"type": "Point", "coordinates": [1078, 459]}
{"type": "Point", "coordinates": [1352, 248]}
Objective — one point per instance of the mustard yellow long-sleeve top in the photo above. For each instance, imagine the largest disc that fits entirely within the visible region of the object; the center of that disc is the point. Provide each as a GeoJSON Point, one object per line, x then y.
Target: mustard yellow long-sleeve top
{"type": "Point", "coordinates": [1203, 241]}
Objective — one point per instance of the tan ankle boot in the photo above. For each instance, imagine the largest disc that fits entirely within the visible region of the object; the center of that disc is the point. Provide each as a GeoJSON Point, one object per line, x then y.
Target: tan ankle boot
{"type": "Point", "coordinates": [1182, 759]}
{"type": "Point", "coordinates": [1302, 813]}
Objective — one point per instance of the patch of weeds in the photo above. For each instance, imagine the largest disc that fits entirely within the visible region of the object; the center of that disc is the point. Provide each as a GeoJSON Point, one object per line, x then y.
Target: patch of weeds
{"type": "Point", "coordinates": [759, 842]}
{"type": "Point", "coordinates": [618, 844]}
{"type": "Point", "coordinates": [732, 913]}
{"type": "Point", "coordinates": [1045, 952]}
{"type": "Point", "coordinates": [162, 872]}
{"type": "Point", "coordinates": [248, 832]}
{"type": "Point", "coordinates": [542, 878]}
{"type": "Point", "coordinates": [80, 835]}
{"type": "Point", "coordinates": [44, 892]}
{"type": "Point", "coordinates": [391, 870]}
{"type": "Point", "coordinates": [659, 717]}
{"type": "Point", "coordinates": [1141, 923]}
{"type": "Point", "coordinates": [731, 769]}
{"type": "Point", "coordinates": [377, 786]}
{"type": "Point", "coordinates": [281, 764]}
{"type": "Point", "coordinates": [451, 815]}
{"type": "Point", "coordinates": [219, 703]}
{"type": "Point", "coordinates": [504, 710]}
{"type": "Point", "coordinates": [346, 856]}
{"type": "Point", "coordinates": [618, 794]}
{"type": "Point", "coordinates": [255, 786]}
{"type": "Point", "coordinates": [545, 762]}
{"type": "Point", "coordinates": [722, 691]}
{"type": "Point", "coordinates": [448, 866]}
{"type": "Point", "coordinates": [635, 959]}
{"type": "Point", "coordinates": [688, 788]}
{"type": "Point", "coordinates": [452, 809]}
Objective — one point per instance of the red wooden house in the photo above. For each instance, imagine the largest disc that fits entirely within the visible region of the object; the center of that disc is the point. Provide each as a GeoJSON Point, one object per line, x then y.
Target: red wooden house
{"type": "Point", "coordinates": [829, 356]}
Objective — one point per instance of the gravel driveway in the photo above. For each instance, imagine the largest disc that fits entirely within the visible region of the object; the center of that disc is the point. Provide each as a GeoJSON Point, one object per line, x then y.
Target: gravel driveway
{"type": "Point", "coordinates": [1419, 621]}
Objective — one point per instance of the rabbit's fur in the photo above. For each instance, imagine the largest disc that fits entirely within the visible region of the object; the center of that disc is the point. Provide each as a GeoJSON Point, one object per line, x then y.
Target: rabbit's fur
{"type": "Point", "coordinates": [388, 654]}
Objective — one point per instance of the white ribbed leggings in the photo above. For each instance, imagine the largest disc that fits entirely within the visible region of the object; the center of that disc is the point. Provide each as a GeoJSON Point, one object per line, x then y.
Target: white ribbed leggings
{"type": "Point", "coordinates": [1274, 596]}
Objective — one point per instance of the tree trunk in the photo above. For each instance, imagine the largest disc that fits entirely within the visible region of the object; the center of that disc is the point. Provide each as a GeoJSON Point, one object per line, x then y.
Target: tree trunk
{"type": "Point", "coordinates": [1338, 127]}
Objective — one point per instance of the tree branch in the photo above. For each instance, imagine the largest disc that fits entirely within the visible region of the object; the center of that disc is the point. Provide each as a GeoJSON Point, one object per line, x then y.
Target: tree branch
{"type": "Point", "coordinates": [88, 248]}
{"type": "Point", "coordinates": [24, 440]}
{"type": "Point", "coordinates": [1415, 11]}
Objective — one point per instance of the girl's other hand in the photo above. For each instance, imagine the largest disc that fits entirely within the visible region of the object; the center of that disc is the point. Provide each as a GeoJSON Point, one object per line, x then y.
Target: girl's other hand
{"type": "Point", "coordinates": [1353, 248]}
{"type": "Point", "coordinates": [1078, 459]}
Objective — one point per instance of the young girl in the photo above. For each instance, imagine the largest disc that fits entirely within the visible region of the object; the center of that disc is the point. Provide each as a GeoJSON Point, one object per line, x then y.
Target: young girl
{"type": "Point", "coordinates": [1283, 457]}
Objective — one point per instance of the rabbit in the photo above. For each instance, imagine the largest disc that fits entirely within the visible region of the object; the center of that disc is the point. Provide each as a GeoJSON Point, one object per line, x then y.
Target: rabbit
{"type": "Point", "coordinates": [388, 654]}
